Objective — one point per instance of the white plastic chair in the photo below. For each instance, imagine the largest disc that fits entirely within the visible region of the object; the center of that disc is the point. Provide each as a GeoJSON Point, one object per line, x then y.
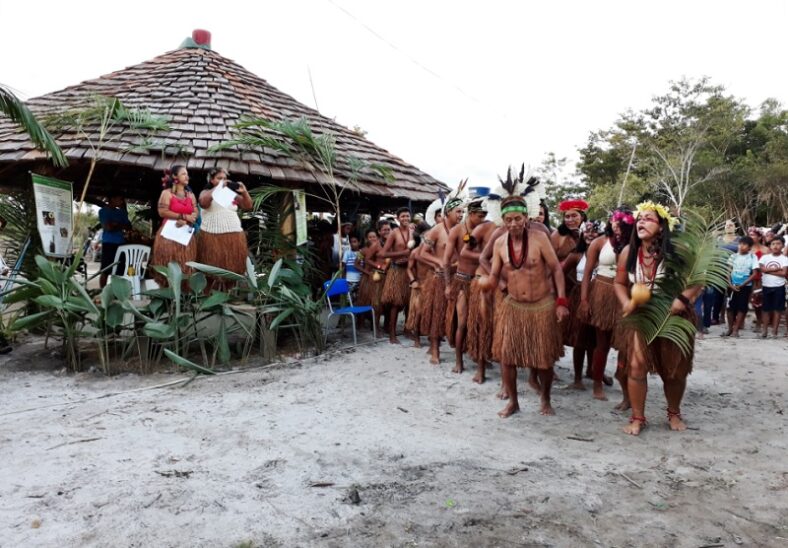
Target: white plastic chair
{"type": "Point", "coordinates": [136, 263]}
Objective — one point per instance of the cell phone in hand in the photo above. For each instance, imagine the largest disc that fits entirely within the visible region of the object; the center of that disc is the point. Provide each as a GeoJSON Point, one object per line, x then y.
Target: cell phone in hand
{"type": "Point", "coordinates": [232, 185]}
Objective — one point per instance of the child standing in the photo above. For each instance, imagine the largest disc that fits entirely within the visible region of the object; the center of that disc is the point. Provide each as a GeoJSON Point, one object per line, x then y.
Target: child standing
{"type": "Point", "coordinates": [744, 268]}
{"type": "Point", "coordinates": [774, 267]}
{"type": "Point", "coordinates": [351, 273]}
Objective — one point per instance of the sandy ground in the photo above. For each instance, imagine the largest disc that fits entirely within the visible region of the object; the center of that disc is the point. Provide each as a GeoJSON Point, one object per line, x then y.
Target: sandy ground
{"type": "Point", "coordinates": [374, 447]}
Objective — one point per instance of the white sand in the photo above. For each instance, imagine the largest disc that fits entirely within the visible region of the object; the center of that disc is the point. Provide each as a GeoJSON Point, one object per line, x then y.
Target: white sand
{"type": "Point", "coordinates": [234, 458]}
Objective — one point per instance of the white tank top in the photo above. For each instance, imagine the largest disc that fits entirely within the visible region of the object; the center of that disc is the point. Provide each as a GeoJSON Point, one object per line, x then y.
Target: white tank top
{"type": "Point", "coordinates": [220, 220]}
{"type": "Point", "coordinates": [607, 261]}
{"type": "Point", "coordinates": [580, 269]}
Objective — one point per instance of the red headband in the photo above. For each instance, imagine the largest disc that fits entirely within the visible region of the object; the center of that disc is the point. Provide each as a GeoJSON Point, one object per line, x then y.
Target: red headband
{"type": "Point", "coordinates": [566, 205]}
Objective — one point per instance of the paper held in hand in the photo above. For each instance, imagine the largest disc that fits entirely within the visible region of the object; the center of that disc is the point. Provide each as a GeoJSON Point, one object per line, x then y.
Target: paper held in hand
{"type": "Point", "coordinates": [224, 197]}
{"type": "Point", "coordinates": [182, 235]}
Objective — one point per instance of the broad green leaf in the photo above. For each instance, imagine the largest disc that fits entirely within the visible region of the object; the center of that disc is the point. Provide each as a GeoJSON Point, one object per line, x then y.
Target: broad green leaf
{"type": "Point", "coordinates": [198, 282]}
{"type": "Point", "coordinates": [281, 317]}
{"type": "Point", "coordinates": [115, 314]}
{"type": "Point", "coordinates": [216, 298]}
{"type": "Point", "coordinates": [49, 301]}
{"type": "Point", "coordinates": [215, 271]}
{"type": "Point", "coordinates": [250, 273]}
{"type": "Point", "coordinates": [106, 296]}
{"type": "Point", "coordinates": [49, 270]}
{"type": "Point", "coordinates": [274, 273]}
{"type": "Point", "coordinates": [30, 321]}
{"type": "Point", "coordinates": [48, 288]}
{"type": "Point", "coordinates": [222, 347]}
{"type": "Point", "coordinates": [160, 293]}
{"type": "Point", "coordinates": [84, 297]}
{"type": "Point", "coordinates": [158, 330]}
{"type": "Point", "coordinates": [21, 294]}
{"type": "Point", "coordinates": [175, 278]}
{"type": "Point", "coordinates": [121, 288]}
{"type": "Point", "coordinates": [183, 362]}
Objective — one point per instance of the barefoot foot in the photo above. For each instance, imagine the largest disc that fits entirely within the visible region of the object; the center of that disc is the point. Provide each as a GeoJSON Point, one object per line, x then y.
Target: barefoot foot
{"type": "Point", "coordinates": [675, 422]}
{"type": "Point", "coordinates": [479, 377]}
{"type": "Point", "coordinates": [458, 369]}
{"type": "Point", "coordinates": [599, 392]}
{"type": "Point", "coordinates": [502, 394]}
{"type": "Point", "coordinates": [623, 406]}
{"type": "Point", "coordinates": [635, 426]}
{"type": "Point", "coordinates": [577, 385]}
{"type": "Point", "coordinates": [509, 410]}
{"type": "Point", "coordinates": [394, 340]}
{"type": "Point", "coordinates": [546, 409]}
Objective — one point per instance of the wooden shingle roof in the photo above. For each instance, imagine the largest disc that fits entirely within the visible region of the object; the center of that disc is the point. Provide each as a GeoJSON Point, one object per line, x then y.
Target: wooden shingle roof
{"type": "Point", "coordinates": [201, 95]}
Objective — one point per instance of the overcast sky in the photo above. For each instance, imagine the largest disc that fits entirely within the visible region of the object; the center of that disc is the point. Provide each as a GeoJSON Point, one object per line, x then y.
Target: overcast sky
{"type": "Point", "coordinates": [459, 89]}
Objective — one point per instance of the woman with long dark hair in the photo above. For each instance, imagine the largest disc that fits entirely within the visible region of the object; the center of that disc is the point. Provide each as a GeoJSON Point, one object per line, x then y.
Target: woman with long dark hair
{"type": "Point", "coordinates": [640, 265]}
{"type": "Point", "coordinates": [598, 302]}
{"type": "Point", "coordinates": [177, 204]}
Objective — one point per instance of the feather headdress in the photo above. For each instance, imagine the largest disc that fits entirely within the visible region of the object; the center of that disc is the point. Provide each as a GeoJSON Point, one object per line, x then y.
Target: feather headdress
{"type": "Point", "coordinates": [456, 197]}
{"type": "Point", "coordinates": [524, 185]}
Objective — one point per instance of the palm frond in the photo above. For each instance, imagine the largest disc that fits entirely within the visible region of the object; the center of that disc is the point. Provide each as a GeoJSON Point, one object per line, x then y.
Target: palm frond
{"type": "Point", "coordinates": [11, 106]}
{"type": "Point", "coordinates": [697, 261]}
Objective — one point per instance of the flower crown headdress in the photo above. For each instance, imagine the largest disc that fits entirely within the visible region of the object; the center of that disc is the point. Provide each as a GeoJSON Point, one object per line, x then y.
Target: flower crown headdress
{"type": "Point", "coordinates": [660, 210]}
{"type": "Point", "coordinates": [622, 216]}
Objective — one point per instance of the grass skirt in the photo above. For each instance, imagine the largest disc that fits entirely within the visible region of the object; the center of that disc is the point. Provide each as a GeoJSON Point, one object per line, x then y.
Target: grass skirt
{"type": "Point", "coordinates": [395, 289]}
{"type": "Point", "coordinates": [370, 291]}
{"type": "Point", "coordinates": [433, 307]}
{"type": "Point", "coordinates": [576, 332]}
{"type": "Point", "coordinates": [527, 334]}
{"type": "Point", "coordinates": [480, 316]}
{"type": "Point", "coordinates": [228, 251]}
{"type": "Point", "coordinates": [166, 251]}
{"type": "Point", "coordinates": [497, 304]}
{"type": "Point", "coordinates": [603, 304]}
{"type": "Point", "coordinates": [662, 356]}
{"type": "Point", "coordinates": [414, 311]}
{"type": "Point", "coordinates": [458, 285]}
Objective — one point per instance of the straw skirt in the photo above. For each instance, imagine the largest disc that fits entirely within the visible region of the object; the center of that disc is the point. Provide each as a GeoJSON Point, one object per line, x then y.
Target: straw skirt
{"type": "Point", "coordinates": [527, 334]}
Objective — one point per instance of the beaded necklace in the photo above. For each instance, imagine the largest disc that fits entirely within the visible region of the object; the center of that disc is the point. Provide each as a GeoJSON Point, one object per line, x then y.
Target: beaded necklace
{"type": "Point", "coordinates": [510, 248]}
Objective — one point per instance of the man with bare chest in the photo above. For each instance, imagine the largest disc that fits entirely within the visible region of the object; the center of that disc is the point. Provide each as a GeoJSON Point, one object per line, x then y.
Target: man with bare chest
{"type": "Point", "coordinates": [395, 289]}
{"type": "Point", "coordinates": [433, 294]}
{"type": "Point", "coordinates": [458, 285]}
{"type": "Point", "coordinates": [527, 330]}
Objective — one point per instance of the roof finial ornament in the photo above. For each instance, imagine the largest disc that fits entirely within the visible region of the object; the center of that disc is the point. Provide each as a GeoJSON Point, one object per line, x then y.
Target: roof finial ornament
{"type": "Point", "coordinates": [200, 38]}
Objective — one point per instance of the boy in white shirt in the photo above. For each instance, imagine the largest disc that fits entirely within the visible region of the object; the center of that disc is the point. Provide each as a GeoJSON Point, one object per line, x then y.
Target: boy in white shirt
{"type": "Point", "coordinates": [351, 272]}
{"type": "Point", "coordinates": [774, 267]}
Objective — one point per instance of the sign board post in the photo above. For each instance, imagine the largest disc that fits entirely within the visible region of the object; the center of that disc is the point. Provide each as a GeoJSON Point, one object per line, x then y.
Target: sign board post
{"type": "Point", "coordinates": [54, 214]}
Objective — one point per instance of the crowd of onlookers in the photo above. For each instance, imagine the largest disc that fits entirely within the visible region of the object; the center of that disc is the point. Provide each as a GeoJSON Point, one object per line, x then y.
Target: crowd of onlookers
{"type": "Point", "coordinates": [757, 283]}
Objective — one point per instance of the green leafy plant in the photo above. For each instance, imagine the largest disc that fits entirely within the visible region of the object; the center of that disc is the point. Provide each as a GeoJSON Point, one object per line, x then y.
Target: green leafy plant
{"type": "Point", "coordinates": [99, 123]}
{"type": "Point", "coordinates": [316, 152]}
{"type": "Point", "coordinates": [60, 302]}
{"type": "Point", "coordinates": [11, 106]}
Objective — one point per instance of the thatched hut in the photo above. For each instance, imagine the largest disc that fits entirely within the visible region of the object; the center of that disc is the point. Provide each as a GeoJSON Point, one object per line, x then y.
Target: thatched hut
{"type": "Point", "coordinates": [201, 95]}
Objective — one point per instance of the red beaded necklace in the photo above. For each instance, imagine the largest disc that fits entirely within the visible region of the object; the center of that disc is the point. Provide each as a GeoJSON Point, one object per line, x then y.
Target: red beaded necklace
{"type": "Point", "coordinates": [517, 264]}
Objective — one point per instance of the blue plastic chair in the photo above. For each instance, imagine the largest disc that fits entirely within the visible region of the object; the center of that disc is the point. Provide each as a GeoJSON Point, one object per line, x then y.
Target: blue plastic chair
{"type": "Point", "coordinates": [339, 287]}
